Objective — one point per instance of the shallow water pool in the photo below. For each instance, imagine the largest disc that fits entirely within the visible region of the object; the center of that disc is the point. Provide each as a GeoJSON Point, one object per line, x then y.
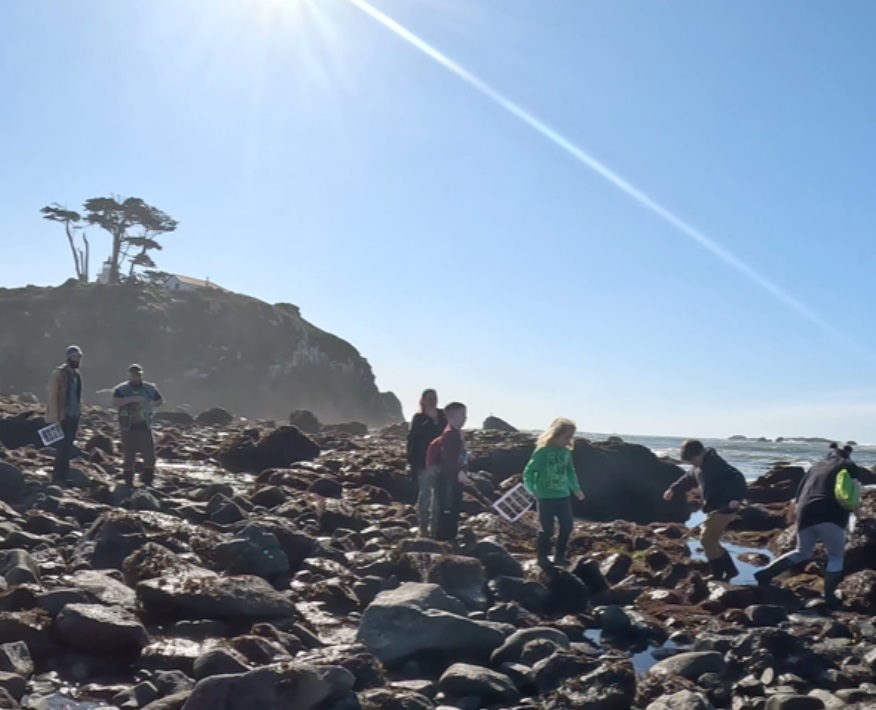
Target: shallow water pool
{"type": "Point", "coordinates": [746, 570]}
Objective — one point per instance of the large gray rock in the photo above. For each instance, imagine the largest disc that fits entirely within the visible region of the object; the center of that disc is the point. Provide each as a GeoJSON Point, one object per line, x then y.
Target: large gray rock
{"type": "Point", "coordinates": [100, 630]}
{"type": "Point", "coordinates": [682, 700]}
{"type": "Point", "coordinates": [401, 623]}
{"type": "Point", "coordinates": [463, 578]}
{"type": "Point", "coordinates": [497, 561]}
{"type": "Point", "coordinates": [18, 567]}
{"type": "Point", "coordinates": [423, 597]}
{"type": "Point", "coordinates": [220, 661]}
{"type": "Point", "coordinates": [184, 597]}
{"type": "Point", "coordinates": [611, 686]}
{"type": "Point", "coordinates": [690, 665]}
{"type": "Point", "coordinates": [105, 589]}
{"type": "Point", "coordinates": [510, 651]}
{"type": "Point", "coordinates": [15, 658]}
{"type": "Point", "coordinates": [463, 680]}
{"type": "Point", "coordinates": [256, 551]}
{"type": "Point", "coordinates": [282, 687]}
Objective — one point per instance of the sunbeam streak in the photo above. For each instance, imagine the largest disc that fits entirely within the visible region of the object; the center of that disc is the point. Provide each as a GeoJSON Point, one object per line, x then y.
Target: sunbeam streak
{"type": "Point", "coordinates": [562, 142]}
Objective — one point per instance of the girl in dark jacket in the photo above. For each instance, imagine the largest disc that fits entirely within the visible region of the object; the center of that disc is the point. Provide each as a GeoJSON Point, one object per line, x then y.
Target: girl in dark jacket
{"type": "Point", "coordinates": [426, 426]}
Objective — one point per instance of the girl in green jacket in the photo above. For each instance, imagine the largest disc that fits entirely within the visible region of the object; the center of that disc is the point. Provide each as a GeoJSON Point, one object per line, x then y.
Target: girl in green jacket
{"type": "Point", "coordinates": [551, 477]}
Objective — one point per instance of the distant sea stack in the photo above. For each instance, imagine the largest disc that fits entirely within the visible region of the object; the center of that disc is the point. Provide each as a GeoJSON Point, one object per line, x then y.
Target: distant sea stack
{"type": "Point", "coordinates": [204, 348]}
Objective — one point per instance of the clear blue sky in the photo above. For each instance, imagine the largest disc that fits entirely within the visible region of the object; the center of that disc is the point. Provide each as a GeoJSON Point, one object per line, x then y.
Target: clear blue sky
{"type": "Point", "coordinates": [312, 155]}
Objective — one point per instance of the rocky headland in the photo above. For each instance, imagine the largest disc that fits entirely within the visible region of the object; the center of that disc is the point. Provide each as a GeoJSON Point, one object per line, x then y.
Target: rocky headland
{"type": "Point", "coordinates": [200, 347]}
{"type": "Point", "coordinates": [274, 569]}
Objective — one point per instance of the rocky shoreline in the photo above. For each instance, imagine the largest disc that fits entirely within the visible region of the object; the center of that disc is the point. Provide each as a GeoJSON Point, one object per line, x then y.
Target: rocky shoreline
{"type": "Point", "coordinates": [268, 568]}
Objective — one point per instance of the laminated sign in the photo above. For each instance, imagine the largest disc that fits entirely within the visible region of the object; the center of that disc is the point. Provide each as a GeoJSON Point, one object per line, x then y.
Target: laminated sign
{"type": "Point", "coordinates": [51, 434]}
{"type": "Point", "coordinates": [513, 505]}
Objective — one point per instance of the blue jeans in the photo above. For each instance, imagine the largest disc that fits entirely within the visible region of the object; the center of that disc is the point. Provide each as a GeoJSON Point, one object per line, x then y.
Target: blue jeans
{"type": "Point", "coordinates": [834, 539]}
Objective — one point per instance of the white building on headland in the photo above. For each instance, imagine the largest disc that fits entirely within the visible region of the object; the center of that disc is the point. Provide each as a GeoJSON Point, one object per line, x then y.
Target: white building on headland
{"type": "Point", "coordinates": [104, 275]}
{"type": "Point", "coordinates": [176, 282]}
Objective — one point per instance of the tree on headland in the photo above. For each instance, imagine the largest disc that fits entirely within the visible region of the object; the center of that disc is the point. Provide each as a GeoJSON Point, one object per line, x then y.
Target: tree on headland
{"type": "Point", "coordinates": [72, 225]}
{"type": "Point", "coordinates": [133, 225]}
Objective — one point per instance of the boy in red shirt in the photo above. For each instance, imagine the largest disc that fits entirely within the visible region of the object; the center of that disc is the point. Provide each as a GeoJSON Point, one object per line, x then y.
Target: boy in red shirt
{"type": "Point", "coordinates": [448, 457]}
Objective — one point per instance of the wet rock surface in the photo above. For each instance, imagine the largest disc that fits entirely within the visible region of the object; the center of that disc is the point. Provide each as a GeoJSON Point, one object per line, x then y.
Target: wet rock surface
{"type": "Point", "coordinates": [296, 578]}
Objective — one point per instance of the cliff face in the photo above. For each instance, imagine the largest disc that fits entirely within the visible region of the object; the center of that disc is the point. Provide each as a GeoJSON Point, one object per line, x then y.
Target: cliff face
{"type": "Point", "coordinates": [202, 348]}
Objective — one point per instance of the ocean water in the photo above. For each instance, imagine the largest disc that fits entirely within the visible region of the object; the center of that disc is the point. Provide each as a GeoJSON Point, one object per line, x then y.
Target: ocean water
{"type": "Point", "coordinates": [753, 458]}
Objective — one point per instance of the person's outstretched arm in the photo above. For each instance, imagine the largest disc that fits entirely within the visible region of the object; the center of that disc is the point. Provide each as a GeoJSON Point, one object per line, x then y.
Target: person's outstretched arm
{"type": "Point", "coordinates": [684, 484]}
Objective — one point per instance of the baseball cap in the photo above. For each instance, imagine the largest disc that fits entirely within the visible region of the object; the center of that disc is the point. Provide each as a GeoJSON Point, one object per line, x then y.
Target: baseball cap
{"type": "Point", "coordinates": [135, 368]}
{"type": "Point", "coordinates": [74, 350]}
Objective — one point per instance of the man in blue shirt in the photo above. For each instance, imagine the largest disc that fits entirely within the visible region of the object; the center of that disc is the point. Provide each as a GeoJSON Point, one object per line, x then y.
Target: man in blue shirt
{"type": "Point", "coordinates": [135, 400]}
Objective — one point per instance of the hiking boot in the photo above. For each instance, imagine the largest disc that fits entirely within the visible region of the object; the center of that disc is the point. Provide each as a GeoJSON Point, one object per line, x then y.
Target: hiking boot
{"type": "Point", "coordinates": [128, 477]}
{"type": "Point", "coordinates": [729, 567]}
{"type": "Point", "coordinates": [542, 547]}
{"type": "Point", "coordinates": [560, 561]}
{"type": "Point", "coordinates": [718, 571]}
{"type": "Point", "coordinates": [831, 582]}
{"type": "Point", "coordinates": [766, 575]}
{"type": "Point", "coordinates": [147, 478]}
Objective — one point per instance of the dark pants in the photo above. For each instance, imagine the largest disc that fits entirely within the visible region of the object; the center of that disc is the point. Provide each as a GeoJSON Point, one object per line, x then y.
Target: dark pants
{"type": "Point", "coordinates": [63, 449]}
{"type": "Point", "coordinates": [446, 506]}
{"type": "Point", "coordinates": [425, 496]}
{"type": "Point", "coordinates": [138, 441]}
{"type": "Point", "coordinates": [549, 511]}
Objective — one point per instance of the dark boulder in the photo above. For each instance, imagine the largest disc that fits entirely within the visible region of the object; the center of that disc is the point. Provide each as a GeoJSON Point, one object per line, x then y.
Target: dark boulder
{"type": "Point", "coordinates": [622, 481]}
{"type": "Point", "coordinates": [463, 680]}
{"type": "Point", "coordinates": [327, 488]}
{"type": "Point", "coordinates": [11, 483]}
{"type": "Point", "coordinates": [297, 686]}
{"type": "Point", "coordinates": [278, 449]}
{"type": "Point", "coordinates": [348, 429]}
{"type": "Point", "coordinates": [100, 442]}
{"type": "Point", "coordinates": [778, 485]}
{"type": "Point", "coordinates": [21, 430]}
{"type": "Point", "coordinates": [101, 630]}
{"type": "Point", "coordinates": [244, 597]}
{"type": "Point", "coordinates": [255, 551]}
{"type": "Point", "coordinates": [418, 619]}
{"type": "Point", "coordinates": [216, 416]}
{"type": "Point", "coordinates": [492, 423]}
{"type": "Point", "coordinates": [462, 578]}
{"type": "Point", "coordinates": [219, 661]}
{"type": "Point", "coordinates": [175, 418]}
{"type": "Point", "coordinates": [497, 561]}
{"type": "Point", "coordinates": [305, 421]}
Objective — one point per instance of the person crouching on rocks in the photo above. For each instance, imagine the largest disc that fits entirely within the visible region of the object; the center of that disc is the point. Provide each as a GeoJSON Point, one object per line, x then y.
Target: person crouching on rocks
{"type": "Point", "coordinates": [723, 489]}
{"type": "Point", "coordinates": [134, 401]}
{"type": "Point", "coordinates": [821, 516]}
{"type": "Point", "coordinates": [551, 477]}
{"type": "Point", "coordinates": [427, 425]}
{"type": "Point", "coordinates": [448, 457]}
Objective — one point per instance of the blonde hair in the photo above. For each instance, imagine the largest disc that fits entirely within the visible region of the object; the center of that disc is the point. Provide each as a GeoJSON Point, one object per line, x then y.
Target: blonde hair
{"type": "Point", "coordinates": [558, 427]}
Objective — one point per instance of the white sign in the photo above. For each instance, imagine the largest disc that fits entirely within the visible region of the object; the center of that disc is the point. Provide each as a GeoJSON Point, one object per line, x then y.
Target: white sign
{"type": "Point", "coordinates": [51, 434]}
{"type": "Point", "coordinates": [514, 504]}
